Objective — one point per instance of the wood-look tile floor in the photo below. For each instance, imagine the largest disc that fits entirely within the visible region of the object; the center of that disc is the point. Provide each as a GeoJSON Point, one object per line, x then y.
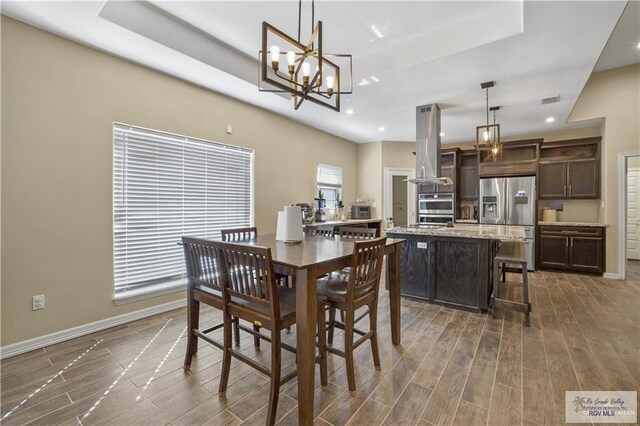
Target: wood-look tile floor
{"type": "Point", "coordinates": [453, 367]}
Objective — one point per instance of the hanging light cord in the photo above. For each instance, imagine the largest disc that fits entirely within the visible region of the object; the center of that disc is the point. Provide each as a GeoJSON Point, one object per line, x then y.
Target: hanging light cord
{"type": "Point", "coordinates": [487, 90]}
{"type": "Point", "coordinates": [299, 17]}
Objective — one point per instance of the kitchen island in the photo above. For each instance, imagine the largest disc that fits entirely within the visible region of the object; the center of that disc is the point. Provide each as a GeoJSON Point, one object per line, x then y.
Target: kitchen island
{"type": "Point", "coordinates": [452, 266]}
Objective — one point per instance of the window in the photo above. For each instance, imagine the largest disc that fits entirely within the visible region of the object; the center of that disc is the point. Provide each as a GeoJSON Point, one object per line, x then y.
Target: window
{"type": "Point", "coordinates": [330, 183]}
{"type": "Point", "coordinates": [166, 186]}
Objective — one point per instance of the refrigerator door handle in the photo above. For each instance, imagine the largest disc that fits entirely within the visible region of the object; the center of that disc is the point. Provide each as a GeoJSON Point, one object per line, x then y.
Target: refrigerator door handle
{"type": "Point", "coordinates": [506, 201]}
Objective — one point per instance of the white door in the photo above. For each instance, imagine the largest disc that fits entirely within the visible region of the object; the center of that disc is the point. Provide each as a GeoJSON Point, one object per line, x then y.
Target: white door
{"type": "Point", "coordinates": [399, 208]}
{"type": "Point", "coordinates": [633, 213]}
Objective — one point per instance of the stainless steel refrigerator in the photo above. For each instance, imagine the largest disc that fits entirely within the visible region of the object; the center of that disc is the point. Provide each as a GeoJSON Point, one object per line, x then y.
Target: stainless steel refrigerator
{"type": "Point", "coordinates": [511, 201]}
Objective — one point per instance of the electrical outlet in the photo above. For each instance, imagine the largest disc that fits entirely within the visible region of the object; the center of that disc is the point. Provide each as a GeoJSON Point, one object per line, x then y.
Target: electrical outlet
{"type": "Point", "coordinates": [38, 302]}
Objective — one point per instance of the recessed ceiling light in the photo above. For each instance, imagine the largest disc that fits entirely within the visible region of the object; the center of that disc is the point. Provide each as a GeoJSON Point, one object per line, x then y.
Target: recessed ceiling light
{"type": "Point", "coordinates": [349, 111]}
{"type": "Point", "coordinates": [364, 82]}
{"type": "Point", "coordinates": [443, 134]}
{"type": "Point", "coordinates": [550, 120]}
{"type": "Point", "coordinates": [638, 45]}
{"type": "Point", "coordinates": [377, 32]}
{"type": "Point", "coordinates": [374, 78]}
{"type": "Point", "coordinates": [381, 129]}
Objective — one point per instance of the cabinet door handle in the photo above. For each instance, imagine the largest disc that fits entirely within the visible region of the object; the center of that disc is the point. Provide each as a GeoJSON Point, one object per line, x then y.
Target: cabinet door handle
{"type": "Point", "coordinates": [566, 242]}
{"type": "Point", "coordinates": [569, 190]}
{"type": "Point", "coordinates": [564, 191]}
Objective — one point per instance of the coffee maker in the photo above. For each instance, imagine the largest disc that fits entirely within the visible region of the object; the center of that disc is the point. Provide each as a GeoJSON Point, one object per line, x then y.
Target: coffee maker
{"type": "Point", "coordinates": [320, 204]}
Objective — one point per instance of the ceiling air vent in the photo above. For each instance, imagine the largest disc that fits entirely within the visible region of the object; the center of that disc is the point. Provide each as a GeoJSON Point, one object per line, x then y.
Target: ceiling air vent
{"type": "Point", "coordinates": [551, 100]}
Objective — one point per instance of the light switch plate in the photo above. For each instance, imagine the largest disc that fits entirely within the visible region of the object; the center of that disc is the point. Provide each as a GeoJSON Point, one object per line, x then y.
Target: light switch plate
{"type": "Point", "coordinates": [38, 302]}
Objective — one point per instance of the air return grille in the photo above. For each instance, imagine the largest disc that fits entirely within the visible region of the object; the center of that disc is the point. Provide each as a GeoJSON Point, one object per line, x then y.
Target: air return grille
{"type": "Point", "coordinates": [550, 100]}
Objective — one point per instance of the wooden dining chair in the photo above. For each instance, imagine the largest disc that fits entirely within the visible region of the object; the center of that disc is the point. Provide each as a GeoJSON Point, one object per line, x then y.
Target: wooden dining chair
{"type": "Point", "coordinates": [321, 231]}
{"type": "Point", "coordinates": [203, 286]}
{"type": "Point", "coordinates": [360, 289]}
{"type": "Point", "coordinates": [250, 292]}
{"type": "Point", "coordinates": [251, 233]}
{"type": "Point", "coordinates": [359, 233]}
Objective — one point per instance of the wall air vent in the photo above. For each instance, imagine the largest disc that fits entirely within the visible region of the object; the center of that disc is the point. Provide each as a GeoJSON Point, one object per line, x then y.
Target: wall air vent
{"type": "Point", "coordinates": [550, 100]}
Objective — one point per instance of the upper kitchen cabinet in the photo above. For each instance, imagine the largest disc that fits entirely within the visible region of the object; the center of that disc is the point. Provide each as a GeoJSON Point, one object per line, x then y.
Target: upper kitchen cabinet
{"type": "Point", "coordinates": [469, 175]}
{"type": "Point", "coordinates": [519, 158]}
{"type": "Point", "coordinates": [449, 167]}
{"type": "Point", "coordinates": [570, 169]}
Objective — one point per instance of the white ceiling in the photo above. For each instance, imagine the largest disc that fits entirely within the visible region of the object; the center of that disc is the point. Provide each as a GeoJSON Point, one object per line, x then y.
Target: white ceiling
{"type": "Point", "coordinates": [623, 46]}
{"type": "Point", "coordinates": [432, 52]}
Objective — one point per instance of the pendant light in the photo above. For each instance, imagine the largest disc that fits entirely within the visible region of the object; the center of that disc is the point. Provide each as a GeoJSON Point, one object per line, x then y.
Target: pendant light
{"type": "Point", "coordinates": [488, 135]}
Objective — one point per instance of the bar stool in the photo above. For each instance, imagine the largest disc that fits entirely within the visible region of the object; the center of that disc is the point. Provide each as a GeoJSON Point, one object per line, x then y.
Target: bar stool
{"type": "Point", "coordinates": [511, 253]}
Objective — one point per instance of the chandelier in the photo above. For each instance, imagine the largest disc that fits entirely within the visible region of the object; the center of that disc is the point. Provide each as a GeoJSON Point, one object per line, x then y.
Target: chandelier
{"type": "Point", "coordinates": [488, 135]}
{"type": "Point", "coordinates": [310, 74]}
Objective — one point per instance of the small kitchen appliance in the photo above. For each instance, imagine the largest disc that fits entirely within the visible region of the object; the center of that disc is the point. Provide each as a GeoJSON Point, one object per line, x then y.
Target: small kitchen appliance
{"type": "Point", "coordinates": [436, 208]}
{"type": "Point", "coordinates": [360, 211]}
{"type": "Point", "coordinates": [307, 213]}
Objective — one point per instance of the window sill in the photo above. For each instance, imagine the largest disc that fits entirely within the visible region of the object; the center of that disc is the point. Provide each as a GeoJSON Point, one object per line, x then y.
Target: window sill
{"type": "Point", "coordinates": [150, 292]}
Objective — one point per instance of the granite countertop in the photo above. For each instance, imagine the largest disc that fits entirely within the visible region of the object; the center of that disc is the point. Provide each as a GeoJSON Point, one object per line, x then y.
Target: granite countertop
{"type": "Point", "coordinates": [343, 222]}
{"type": "Point", "coordinates": [586, 224]}
{"type": "Point", "coordinates": [460, 230]}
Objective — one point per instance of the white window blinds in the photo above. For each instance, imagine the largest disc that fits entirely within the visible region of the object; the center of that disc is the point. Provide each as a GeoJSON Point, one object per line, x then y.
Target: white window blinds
{"type": "Point", "coordinates": [166, 186]}
{"type": "Point", "coordinates": [329, 176]}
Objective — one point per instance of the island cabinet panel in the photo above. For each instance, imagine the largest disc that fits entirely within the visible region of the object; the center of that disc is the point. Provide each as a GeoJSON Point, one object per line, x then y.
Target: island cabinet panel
{"type": "Point", "coordinates": [451, 271]}
{"type": "Point", "coordinates": [415, 268]}
{"type": "Point", "coordinates": [460, 272]}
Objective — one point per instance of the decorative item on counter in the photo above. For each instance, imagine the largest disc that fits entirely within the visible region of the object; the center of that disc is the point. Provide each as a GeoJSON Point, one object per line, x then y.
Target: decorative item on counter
{"type": "Point", "coordinates": [321, 203]}
{"type": "Point", "coordinates": [549, 215]}
{"type": "Point", "coordinates": [289, 227]}
{"type": "Point", "coordinates": [465, 212]}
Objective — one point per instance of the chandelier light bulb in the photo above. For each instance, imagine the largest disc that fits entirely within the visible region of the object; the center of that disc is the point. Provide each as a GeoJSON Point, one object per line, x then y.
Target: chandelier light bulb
{"type": "Point", "coordinates": [306, 69]}
{"type": "Point", "coordinates": [330, 82]}
{"type": "Point", "coordinates": [486, 135]}
{"type": "Point", "coordinates": [494, 150]}
{"type": "Point", "coordinates": [291, 57]}
{"type": "Point", "coordinates": [275, 57]}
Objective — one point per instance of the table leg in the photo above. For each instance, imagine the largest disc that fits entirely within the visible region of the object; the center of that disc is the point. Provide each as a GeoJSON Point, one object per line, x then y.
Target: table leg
{"type": "Point", "coordinates": [393, 267]}
{"type": "Point", "coordinates": [306, 307]}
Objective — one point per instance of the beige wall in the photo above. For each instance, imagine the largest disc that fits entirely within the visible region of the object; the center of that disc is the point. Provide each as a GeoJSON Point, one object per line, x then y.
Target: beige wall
{"type": "Point", "coordinates": [59, 100]}
{"type": "Point", "coordinates": [369, 176]}
{"type": "Point", "coordinates": [615, 96]}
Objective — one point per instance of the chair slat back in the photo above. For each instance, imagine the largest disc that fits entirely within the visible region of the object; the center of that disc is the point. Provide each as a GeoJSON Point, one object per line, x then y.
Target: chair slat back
{"type": "Point", "coordinates": [366, 268]}
{"type": "Point", "coordinates": [239, 234]}
{"type": "Point", "coordinates": [357, 233]}
{"type": "Point", "coordinates": [321, 231]}
{"type": "Point", "coordinates": [202, 263]}
{"type": "Point", "coordinates": [248, 276]}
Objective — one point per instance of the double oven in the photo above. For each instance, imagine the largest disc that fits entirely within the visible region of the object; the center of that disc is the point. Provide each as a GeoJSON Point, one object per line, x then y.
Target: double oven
{"type": "Point", "coordinates": [436, 209]}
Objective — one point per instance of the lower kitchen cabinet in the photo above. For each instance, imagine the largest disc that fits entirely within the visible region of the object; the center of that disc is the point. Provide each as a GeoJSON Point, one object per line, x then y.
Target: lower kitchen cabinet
{"type": "Point", "coordinates": [451, 271]}
{"type": "Point", "coordinates": [572, 248]}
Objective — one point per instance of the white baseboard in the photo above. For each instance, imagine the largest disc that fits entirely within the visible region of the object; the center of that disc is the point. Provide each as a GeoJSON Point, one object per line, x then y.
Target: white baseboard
{"type": "Point", "coordinates": [611, 276]}
{"type": "Point", "coordinates": [82, 330]}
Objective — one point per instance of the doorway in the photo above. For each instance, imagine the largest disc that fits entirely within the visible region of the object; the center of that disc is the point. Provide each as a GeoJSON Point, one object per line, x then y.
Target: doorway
{"type": "Point", "coordinates": [399, 196]}
{"type": "Point", "coordinates": [629, 214]}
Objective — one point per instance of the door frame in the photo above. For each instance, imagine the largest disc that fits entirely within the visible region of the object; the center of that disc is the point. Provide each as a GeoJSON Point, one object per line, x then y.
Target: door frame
{"type": "Point", "coordinates": [412, 200]}
{"type": "Point", "coordinates": [622, 213]}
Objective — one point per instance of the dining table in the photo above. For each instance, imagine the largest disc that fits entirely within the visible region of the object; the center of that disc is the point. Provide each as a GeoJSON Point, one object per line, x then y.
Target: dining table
{"type": "Point", "coordinates": [305, 262]}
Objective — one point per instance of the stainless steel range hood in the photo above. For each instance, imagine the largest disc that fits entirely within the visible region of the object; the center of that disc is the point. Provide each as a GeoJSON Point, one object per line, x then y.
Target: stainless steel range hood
{"type": "Point", "coordinates": [428, 146]}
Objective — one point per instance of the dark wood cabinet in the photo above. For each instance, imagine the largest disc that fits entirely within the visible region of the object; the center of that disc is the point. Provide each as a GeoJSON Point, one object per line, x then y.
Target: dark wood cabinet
{"type": "Point", "coordinates": [554, 251]}
{"type": "Point", "coordinates": [572, 248]}
{"type": "Point", "coordinates": [469, 175]}
{"type": "Point", "coordinates": [449, 271]}
{"type": "Point", "coordinates": [583, 178]}
{"type": "Point", "coordinates": [519, 158]}
{"type": "Point", "coordinates": [570, 170]}
{"type": "Point", "coordinates": [552, 179]}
